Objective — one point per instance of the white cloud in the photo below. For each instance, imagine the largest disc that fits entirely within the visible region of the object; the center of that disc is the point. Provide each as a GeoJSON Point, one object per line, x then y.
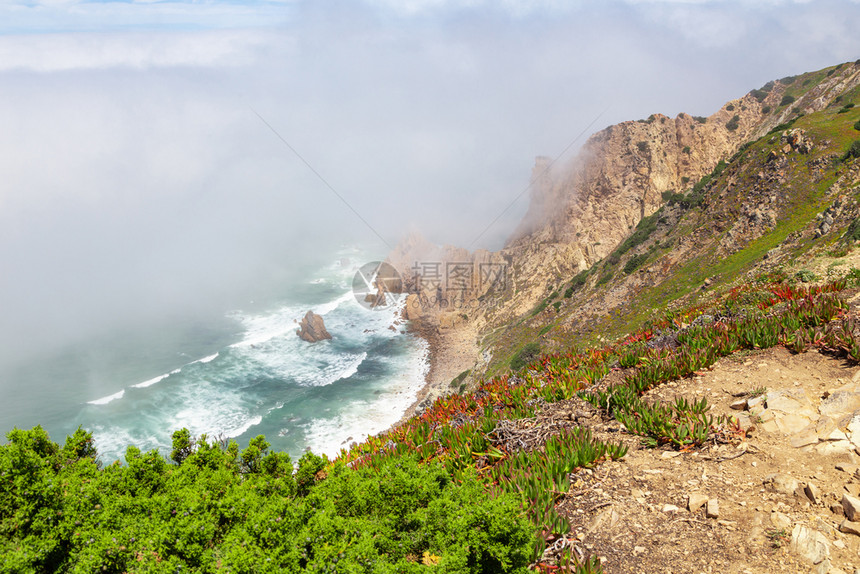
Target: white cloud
{"type": "Point", "coordinates": [76, 51]}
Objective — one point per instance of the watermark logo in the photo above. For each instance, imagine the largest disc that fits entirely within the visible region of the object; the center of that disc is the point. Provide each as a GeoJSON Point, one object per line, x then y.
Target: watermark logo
{"type": "Point", "coordinates": [377, 285]}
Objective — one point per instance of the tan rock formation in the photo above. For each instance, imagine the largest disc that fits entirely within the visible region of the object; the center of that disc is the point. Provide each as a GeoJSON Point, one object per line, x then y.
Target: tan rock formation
{"type": "Point", "coordinates": [312, 328]}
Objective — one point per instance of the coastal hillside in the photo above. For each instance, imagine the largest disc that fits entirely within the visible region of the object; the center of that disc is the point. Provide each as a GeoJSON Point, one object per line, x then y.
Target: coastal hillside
{"type": "Point", "coordinates": [652, 213]}
{"type": "Point", "coordinates": [659, 373]}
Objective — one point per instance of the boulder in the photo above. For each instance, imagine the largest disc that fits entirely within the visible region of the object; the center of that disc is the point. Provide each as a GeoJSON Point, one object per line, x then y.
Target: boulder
{"type": "Point", "coordinates": [312, 328]}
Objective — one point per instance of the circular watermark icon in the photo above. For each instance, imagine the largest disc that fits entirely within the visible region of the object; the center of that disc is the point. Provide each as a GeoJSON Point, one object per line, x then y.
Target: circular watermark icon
{"type": "Point", "coordinates": [377, 285]}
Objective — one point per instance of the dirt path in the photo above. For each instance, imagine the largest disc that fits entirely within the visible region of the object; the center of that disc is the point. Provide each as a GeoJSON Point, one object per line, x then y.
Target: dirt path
{"type": "Point", "coordinates": [775, 496]}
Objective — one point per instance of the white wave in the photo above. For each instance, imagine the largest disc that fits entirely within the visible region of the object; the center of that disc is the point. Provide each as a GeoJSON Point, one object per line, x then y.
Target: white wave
{"type": "Point", "coordinates": [208, 359]}
{"type": "Point", "coordinates": [152, 381]}
{"type": "Point", "coordinates": [240, 430]}
{"type": "Point", "coordinates": [107, 399]}
{"type": "Point", "coordinates": [362, 419]}
{"type": "Point", "coordinates": [326, 308]}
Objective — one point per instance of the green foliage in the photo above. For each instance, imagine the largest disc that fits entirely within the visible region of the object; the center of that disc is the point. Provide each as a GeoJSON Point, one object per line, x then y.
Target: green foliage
{"type": "Point", "coordinates": [701, 119]}
{"type": "Point", "coordinates": [556, 306]}
{"type": "Point", "coordinates": [524, 356]}
{"type": "Point", "coordinates": [853, 151]}
{"type": "Point", "coordinates": [456, 381]}
{"type": "Point", "coordinates": [846, 108]}
{"type": "Point", "coordinates": [62, 515]}
{"type": "Point", "coordinates": [857, 125]}
{"type": "Point", "coordinates": [696, 197]}
{"type": "Point", "coordinates": [786, 100]}
{"type": "Point", "coordinates": [642, 146]}
{"type": "Point", "coordinates": [635, 262]}
{"type": "Point", "coordinates": [733, 123]}
{"type": "Point", "coordinates": [673, 198]}
{"type": "Point", "coordinates": [788, 80]}
{"type": "Point", "coordinates": [646, 226]}
{"type": "Point", "coordinates": [686, 150]}
{"type": "Point", "coordinates": [765, 109]}
{"type": "Point", "coordinates": [806, 276]}
{"type": "Point", "coordinates": [730, 107]}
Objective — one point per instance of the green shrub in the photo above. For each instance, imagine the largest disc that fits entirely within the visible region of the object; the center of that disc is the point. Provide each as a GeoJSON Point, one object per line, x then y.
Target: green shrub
{"type": "Point", "coordinates": [853, 151]}
{"type": "Point", "coordinates": [62, 513]}
{"type": "Point", "coordinates": [557, 306]}
{"type": "Point", "coordinates": [686, 150]}
{"type": "Point", "coordinates": [733, 123]}
{"type": "Point", "coordinates": [857, 125]}
{"type": "Point", "coordinates": [788, 80]}
{"type": "Point", "coordinates": [578, 281]}
{"type": "Point", "coordinates": [846, 108]}
{"type": "Point", "coordinates": [805, 276]}
{"type": "Point", "coordinates": [786, 100]}
{"type": "Point", "coordinates": [765, 109]}
{"type": "Point", "coordinates": [524, 356]}
{"type": "Point", "coordinates": [635, 262]}
{"type": "Point", "coordinates": [701, 119]}
{"type": "Point", "coordinates": [853, 231]}
{"type": "Point", "coordinates": [730, 107]}
{"type": "Point", "coordinates": [642, 146]}
{"type": "Point", "coordinates": [456, 381]}
{"type": "Point", "coordinates": [646, 226]}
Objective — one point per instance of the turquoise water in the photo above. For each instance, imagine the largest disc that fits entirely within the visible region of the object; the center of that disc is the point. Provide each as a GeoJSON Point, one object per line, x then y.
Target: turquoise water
{"type": "Point", "coordinates": [236, 374]}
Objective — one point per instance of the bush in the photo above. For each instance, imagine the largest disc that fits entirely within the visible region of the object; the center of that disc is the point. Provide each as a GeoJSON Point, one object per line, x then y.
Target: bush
{"type": "Point", "coordinates": [578, 281]}
{"type": "Point", "coordinates": [765, 110]}
{"type": "Point", "coordinates": [786, 100]}
{"type": "Point", "coordinates": [730, 107]}
{"type": "Point", "coordinates": [642, 146]}
{"type": "Point", "coordinates": [635, 263]}
{"type": "Point", "coordinates": [857, 125]}
{"type": "Point", "coordinates": [733, 123]}
{"type": "Point", "coordinates": [524, 356]}
{"type": "Point", "coordinates": [646, 226]}
{"type": "Point", "coordinates": [701, 119]}
{"type": "Point", "coordinates": [788, 80]}
{"type": "Point", "coordinates": [686, 150]}
{"type": "Point", "coordinates": [853, 151]}
{"type": "Point", "coordinates": [61, 513]}
{"type": "Point", "coordinates": [846, 108]}
{"type": "Point", "coordinates": [455, 382]}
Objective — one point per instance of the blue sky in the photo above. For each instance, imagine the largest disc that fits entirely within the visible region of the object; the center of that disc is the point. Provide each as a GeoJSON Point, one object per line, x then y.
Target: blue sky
{"type": "Point", "coordinates": [134, 166]}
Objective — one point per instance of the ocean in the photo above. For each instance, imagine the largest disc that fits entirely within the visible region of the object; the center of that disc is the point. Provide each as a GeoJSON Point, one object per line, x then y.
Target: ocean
{"type": "Point", "coordinates": [237, 374]}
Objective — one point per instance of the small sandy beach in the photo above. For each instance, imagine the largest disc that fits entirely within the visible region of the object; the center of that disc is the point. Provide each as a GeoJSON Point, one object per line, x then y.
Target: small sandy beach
{"type": "Point", "coordinates": [451, 352]}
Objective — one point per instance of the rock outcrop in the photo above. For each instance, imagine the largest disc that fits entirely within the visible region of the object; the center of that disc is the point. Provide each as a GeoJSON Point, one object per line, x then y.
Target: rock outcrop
{"type": "Point", "coordinates": [312, 328]}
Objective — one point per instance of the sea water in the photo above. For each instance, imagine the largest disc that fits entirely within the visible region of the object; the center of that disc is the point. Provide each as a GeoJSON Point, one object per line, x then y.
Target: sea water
{"type": "Point", "coordinates": [237, 375]}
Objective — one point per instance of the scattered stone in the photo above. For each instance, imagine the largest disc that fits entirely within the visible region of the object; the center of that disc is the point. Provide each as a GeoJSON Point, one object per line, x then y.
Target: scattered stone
{"type": "Point", "coordinates": [739, 405]}
{"type": "Point", "coordinates": [713, 509]}
{"type": "Point", "coordinates": [847, 467]}
{"type": "Point", "coordinates": [755, 402]}
{"type": "Point", "coordinates": [784, 484]}
{"type": "Point", "coordinates": [805, 437]}
{"type": "Point", "coordinates": [842, 401]}
{"type": "Point", "coordinates": [809, 544]}
{"type": "Point", "coordinates": [670, 508]}
{"type": "Point", "coordinates": [834, 448]}
{"type": "Point", "coordinates": [812, 493]}
{"type": "Point", "coordinates": [849, 527]}
{"type": "Point", "coordinates": [780, 520]}
{"type": "Point", "coordinates": [695, 501]}
{"type": "Point", "coordinates": [851, 506]}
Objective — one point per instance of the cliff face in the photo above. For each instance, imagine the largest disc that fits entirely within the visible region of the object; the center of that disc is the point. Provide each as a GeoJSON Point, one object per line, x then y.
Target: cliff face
{"type": "Point", "coordinates": [579, 214]}
{"type": "Point", "coordinates": [621, 172]}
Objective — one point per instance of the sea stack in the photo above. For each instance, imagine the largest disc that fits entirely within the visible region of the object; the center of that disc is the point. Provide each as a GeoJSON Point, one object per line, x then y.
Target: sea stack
{"type": "Point", "coordinates": [312, 328]}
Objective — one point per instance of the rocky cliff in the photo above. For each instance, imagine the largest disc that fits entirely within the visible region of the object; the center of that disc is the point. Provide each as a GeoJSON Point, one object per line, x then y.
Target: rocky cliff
{"type": "Point", "coordinates": [580, 213]}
